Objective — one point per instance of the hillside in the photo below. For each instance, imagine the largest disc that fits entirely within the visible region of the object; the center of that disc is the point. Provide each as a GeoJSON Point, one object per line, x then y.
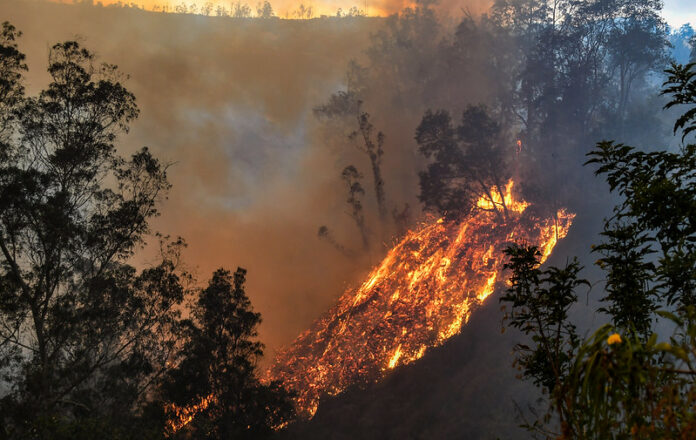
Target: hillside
{"type": "Point", "coordinates": [228, 102]}
{"type": "Point", "coordinates": [464, 389]}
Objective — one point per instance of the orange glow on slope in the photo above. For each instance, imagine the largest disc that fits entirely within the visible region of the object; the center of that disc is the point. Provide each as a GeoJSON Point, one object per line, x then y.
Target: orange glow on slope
{"type": "Point", "coordinates": [419, 296]}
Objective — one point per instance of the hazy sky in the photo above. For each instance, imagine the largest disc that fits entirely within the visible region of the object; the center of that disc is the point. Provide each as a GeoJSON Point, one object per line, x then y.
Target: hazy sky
{"type": "Point", "coordinates": [678, 12]}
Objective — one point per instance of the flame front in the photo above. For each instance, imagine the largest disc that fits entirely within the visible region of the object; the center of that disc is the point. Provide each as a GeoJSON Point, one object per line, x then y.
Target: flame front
{"type": "Point", "coordinates": [178, 416]}
{"type": "Point", "coordinates": [420, 295]}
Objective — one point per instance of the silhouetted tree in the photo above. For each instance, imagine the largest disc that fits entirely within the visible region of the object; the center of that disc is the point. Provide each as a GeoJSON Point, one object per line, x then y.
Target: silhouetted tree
{"type": "Point", "coordinates": [82, 334]}
{"type": "Point", "coordinates": [207, 8]}
{"type": "Point", "coordinates": [636, 47]}
{"type": "Point", "coordinates": [304, 12]}
{"type": "Point", "coordinates": [264, 10]}
{"type": "Point", "coordinates": [467, 161]}
{"type": "Point", "coordinates": [347, 104]}
{"type": "Point", "coordinates": [351, 177]}
{"type": "Point", "coordinates": [538, 303]}
{"type": "Point", "coordinates": [219, 362]}
{"type": "Point", "coordinates": [240, 10]}
{"type": "Point", "coordinates": [11, 88]}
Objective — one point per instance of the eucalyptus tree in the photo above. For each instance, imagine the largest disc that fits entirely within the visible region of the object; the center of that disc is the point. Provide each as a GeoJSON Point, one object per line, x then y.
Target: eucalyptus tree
{"type": "Point", "coordinates": [83, 334]}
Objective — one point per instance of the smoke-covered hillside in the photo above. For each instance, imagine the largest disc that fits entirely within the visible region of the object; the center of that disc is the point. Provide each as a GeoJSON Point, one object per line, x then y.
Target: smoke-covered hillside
{"type": "Point", "coordinates": [366, 174]}
{"type": "Point", "coordinates": [229, 103]}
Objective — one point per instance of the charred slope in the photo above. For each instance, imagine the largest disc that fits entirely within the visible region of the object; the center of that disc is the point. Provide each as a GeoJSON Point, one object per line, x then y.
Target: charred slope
{"type": "Point", "coordinates": [464, 389]}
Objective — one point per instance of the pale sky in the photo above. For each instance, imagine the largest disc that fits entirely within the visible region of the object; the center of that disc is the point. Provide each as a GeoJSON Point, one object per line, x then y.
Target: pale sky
{"type": "Point", "coordinates": [678, 12]}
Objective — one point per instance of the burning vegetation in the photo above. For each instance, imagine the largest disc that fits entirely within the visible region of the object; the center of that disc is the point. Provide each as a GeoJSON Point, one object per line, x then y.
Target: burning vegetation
{"type": "Point", "coordinates": [92, 334]}
{"type": "Point", "coordinates": [419, 296]}
{"type": "Point", "coordinates": [178, 417]}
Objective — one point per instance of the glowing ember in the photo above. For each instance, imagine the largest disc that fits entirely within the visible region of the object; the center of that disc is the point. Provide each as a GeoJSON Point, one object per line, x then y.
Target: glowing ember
{"type": "Point", "coordinates": [417, 297]}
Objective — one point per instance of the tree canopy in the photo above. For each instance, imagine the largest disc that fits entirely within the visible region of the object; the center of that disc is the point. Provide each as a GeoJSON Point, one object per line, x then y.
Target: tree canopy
{"type": "Point", "coordinates": [218, 365]}
{"type": "Point", "coordinates": [467, 162]}
{"type": "Point", "coordinates": [620, 382]}
{"type": "Point", "coordinates": [87, 340]}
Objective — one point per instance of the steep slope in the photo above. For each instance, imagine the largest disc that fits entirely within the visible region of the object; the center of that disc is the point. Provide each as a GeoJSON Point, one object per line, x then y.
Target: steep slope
{"type": "Point", "coordinates": [464, 389]}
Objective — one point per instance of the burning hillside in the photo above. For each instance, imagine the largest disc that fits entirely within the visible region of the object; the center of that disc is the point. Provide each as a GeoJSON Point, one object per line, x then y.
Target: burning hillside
{"type": "Point", "coordinates": [417, 297]}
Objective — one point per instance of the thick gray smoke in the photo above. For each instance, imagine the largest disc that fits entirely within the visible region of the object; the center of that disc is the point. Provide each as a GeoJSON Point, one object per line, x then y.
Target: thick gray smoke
{"type": "Point", "coordinates": [255, 172]}
{"type": "Point", "coordinates": [229, 103]}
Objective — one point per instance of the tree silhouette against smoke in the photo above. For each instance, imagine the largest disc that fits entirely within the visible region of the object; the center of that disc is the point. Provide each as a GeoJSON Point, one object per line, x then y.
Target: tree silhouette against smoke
{"type": "Point", "coordinates": [352, 177]}
{"type": "Point", "coordinates": [347, 104]}
{"type": "Point", "coordinates": [303, 12]}
{"type": "Point", "coordinates": [86, 338]}
{"type": "Point", "coordinates": [82, 332]}
{"type": "Point", "coordinates": [264, 10]}
{"type": "Point", "coordinates": [240, 10]}
{"type": "Point", "coordinates": [219, 359]}
{"type": "Point", "coordinates": [467, 161]}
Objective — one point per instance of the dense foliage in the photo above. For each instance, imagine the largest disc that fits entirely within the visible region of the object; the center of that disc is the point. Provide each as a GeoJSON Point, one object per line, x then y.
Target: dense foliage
{"type": "Point", "coordinates": [552, 75]}
{"type": "Point", "coordinates": [87, 341]}
{"type": "Point", "coordinates": [467, 162]}
{"type": "Point", "coordinates": [621, 382]}
{"type": "Point", "coordinates": [219, 359]}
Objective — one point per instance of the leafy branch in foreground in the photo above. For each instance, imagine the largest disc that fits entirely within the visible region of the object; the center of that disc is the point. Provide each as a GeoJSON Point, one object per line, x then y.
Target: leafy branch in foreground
{"type": "Point", "coordinates": [620, 382]}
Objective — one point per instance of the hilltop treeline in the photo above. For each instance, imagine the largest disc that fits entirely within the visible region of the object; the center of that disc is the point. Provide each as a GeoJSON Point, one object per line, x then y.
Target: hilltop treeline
{"type": "Point", "coordinates": [237, 9]}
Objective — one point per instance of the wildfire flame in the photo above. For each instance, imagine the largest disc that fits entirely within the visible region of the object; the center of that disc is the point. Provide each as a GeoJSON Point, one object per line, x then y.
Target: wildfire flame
{"type": "Point", "coordinates": [420, 295]}
{"type": "Point", "coordinates": [182, 416]}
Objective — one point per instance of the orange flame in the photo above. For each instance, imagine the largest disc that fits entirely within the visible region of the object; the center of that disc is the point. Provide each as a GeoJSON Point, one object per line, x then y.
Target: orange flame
{"type": "Point", "coordinates": [182, 416]}
{"type": "Point", "coordinates": [494, 200]}
{"type": "Point", "coordinates": [420, 295]}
